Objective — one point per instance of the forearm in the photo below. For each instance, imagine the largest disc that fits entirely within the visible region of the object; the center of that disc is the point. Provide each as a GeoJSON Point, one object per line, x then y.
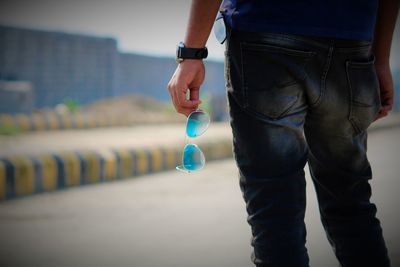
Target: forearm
{"type": "Point", "coordinates": [201, 19]}
{"type": "Point", "coordinates": [386, 21]}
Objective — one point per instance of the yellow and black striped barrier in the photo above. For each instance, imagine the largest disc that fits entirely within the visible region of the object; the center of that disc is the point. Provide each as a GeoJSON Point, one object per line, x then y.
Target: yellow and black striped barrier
{"type": "Point", "coordinates": [26, 175]}
{"type": "Point", "coordinates": [55, 121]}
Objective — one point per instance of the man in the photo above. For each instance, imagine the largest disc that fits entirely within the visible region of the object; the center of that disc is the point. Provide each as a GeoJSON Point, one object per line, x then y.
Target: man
{"type": "Point", "coordinates": [304, 82]}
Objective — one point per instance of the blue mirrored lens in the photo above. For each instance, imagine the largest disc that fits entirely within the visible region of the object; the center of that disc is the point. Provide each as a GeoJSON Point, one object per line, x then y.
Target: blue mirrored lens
{"type": "Point", "coordinates": [193, 158]}
{"type": "Point", "coordinates": [197, 123]}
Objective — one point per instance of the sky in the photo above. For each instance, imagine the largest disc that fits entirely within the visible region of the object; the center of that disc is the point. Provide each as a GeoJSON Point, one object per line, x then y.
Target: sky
{"type": "Point", "coordinates": [152, 27]}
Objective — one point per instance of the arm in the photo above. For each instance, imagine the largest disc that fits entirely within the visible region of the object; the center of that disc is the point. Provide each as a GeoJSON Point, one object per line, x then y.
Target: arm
{"type": "Point", "coordinates": [386, 21]}
{"type": "Point", "coordinates": [189, 75]}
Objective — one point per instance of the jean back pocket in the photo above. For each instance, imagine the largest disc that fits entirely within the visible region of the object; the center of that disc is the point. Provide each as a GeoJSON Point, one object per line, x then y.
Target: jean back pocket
{"type": "Point", "coordinates": [272, 78]}
{"type": "Point", "coordinates": [364, 93]}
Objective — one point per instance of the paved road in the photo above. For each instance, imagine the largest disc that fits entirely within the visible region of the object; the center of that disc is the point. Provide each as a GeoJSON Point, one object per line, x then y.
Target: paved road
{"type": "Point", "coordinates": [171, 219]}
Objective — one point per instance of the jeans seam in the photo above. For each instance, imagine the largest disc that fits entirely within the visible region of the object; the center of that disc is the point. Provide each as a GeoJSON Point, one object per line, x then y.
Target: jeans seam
{"type": "Point", "coordinates": [244, 86]}
{"type": "Point", "coordinates": [323, 77]}
{"type": "Point", "coordinates": [350, 115]}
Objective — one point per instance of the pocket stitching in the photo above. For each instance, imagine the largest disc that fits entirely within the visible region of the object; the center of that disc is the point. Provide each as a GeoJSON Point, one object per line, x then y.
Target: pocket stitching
{"type": "Point", "coordinates": [274, 117]}
{"type": "Point", "coordinates": [271, 48]}
{"type": "Point", "coordinates": [266, 47]}
{"type": "Point", "coordinates": [244, 90]}
{"type": "Point", "coordinates": [356, 65]}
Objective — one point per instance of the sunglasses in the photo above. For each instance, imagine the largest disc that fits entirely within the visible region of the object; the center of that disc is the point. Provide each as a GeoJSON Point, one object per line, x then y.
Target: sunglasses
{"type": "Point", "coordinates": [219, 28]}
{"type": "Point", "coordinates": [192, 157]}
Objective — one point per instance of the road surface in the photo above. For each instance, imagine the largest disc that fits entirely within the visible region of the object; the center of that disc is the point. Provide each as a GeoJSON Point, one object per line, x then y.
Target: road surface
{"type": "Point", "coordinates": [172, 219]}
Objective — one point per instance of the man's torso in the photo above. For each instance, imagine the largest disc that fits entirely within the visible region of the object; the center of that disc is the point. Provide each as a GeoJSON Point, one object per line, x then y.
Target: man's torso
{"type": "Point", "coordinates": [343, 19]}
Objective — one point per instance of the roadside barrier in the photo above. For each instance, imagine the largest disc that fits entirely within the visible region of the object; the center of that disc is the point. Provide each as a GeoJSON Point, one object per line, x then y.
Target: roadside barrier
{"type": "Point", "coordinates": [54, 121]}
{"type": "Point", "coordinates": [27, 175]}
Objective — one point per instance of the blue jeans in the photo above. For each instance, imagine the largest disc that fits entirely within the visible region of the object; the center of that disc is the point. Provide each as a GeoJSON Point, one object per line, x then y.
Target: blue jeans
{"type": "Point", "coordinates": [293, 100]}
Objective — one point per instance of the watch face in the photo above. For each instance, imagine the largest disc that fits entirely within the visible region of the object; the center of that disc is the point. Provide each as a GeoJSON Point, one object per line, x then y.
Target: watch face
{"type": "Point", "coordinates": [178, 52]}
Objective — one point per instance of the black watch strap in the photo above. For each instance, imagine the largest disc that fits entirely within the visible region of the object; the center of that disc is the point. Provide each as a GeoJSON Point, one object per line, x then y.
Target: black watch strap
{"type": "Point", "coordinates": [183, 52]}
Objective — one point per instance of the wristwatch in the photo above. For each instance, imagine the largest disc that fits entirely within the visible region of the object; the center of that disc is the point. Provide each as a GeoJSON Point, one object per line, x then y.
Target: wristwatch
{"type": "Point", "coordinates": [183, 53]}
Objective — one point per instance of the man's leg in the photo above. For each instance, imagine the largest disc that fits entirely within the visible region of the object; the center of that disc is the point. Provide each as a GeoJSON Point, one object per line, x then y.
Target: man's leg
{"type": "Point", "coordinates": [335, 129]}
{"type": "Point", "coordinates": [267, 109]}
{"type": "Point", "coordinates": [270, 161]}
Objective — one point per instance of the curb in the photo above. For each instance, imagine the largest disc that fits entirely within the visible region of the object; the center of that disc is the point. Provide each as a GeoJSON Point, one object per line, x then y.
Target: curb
{"type": "Point", "coordinates": [80, 120]}
{"type": "Point", "coordinates": [54, 121]}
{"type": "Point", "coordinates": [27, 175]}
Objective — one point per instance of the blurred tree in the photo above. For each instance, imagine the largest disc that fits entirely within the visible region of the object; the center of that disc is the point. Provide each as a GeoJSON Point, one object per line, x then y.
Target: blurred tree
{"type": "Point", "coordinates": [71, 104]}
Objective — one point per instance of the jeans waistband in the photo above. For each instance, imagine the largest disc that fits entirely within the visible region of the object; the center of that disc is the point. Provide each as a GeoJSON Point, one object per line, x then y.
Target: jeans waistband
{"type": "Point", "coordinates": [321, 42]}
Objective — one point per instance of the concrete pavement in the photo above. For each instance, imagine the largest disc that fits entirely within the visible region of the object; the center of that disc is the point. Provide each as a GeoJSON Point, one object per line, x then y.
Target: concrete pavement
{"type": "Point", "coordinates": [171, 219]}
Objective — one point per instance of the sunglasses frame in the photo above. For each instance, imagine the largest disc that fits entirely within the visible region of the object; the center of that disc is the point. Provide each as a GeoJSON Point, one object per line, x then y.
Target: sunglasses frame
{"type": "Point", "coordinates": [182, 166]}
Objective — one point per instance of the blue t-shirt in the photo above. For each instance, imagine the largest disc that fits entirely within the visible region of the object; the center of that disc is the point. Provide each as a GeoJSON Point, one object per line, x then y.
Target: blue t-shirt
{"type": "Point", "coordinates": [345, 19]}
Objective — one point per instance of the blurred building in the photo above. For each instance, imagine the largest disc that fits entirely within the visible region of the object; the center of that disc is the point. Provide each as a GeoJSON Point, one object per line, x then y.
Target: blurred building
{"type": "Point", "coordinates": [87, 68]}
{"type": "Point", "coordinates": [84, 68]}
{"type": "Point", "coordinates": [58, 65]}
{"type": "Point", "coordinates": [16, 97]}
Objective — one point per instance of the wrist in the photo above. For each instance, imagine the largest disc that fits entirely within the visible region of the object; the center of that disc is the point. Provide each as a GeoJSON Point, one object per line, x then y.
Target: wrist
{"type": "Point", "coordinates": [381, 60]}
{"type": "Point", "coordinates": [382, 63]}
{"type": "Point", "coordinates": [191, 62]}
{"type": "Point", "coordinates": [191, 65]}
{"type": "Point", "coordinates": [184, 52]}
{"type": "Point", "coordinates": [194, 43]}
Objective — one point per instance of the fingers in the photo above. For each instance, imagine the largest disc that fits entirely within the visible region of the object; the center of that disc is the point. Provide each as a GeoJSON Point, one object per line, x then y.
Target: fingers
{"type": "Point", "coordinates": [386, 103]}
{"type": "Point", "coordinates": [386, 89]}
{"type": "Point", "coordinates": [384, 111]}
{"type": "Point", "coordinates": [185, 106]}
{"type": "Point", "coordinates": [186, 103]}
{"type": "Point", "coordinates": [189, 75]}
{"type": "Point", "coordinates": [178, 96]}
{"type": "Point", "coordinates": [380, 115]}
{"type": "Point", "coordinates": [195, 93]}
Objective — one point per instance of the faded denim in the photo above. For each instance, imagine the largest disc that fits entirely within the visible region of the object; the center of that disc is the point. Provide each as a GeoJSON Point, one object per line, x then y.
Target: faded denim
{"type": "Point", "coordinates": [293, 100]}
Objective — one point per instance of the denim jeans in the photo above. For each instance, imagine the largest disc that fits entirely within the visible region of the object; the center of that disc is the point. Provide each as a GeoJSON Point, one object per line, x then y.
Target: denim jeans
{"type": "Point", "coordinates": [296, 99]}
